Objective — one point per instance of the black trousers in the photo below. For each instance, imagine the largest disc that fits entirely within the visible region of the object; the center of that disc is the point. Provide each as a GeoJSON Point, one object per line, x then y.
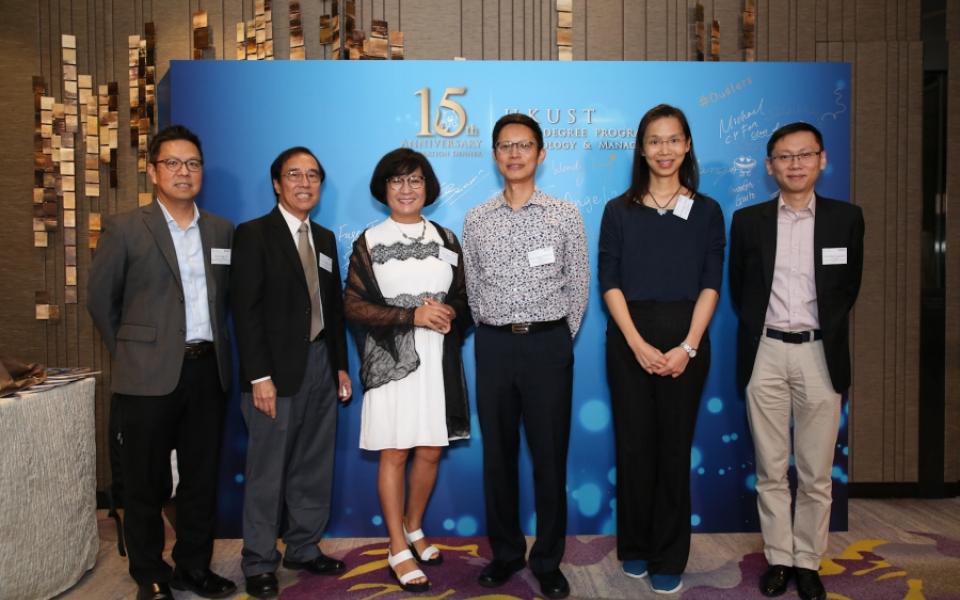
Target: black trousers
{"type": "Point", "coordinates": [190, 420]}
{"type": "Point", "coordinates": [528, 379]}
{"type": "Point", "coordinates": [654, 419]}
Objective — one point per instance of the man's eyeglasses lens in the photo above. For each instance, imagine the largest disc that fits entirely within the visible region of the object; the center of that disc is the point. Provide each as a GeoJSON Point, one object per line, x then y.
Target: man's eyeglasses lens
{"type": "Point", "coordinates": [523, 147]}
{"type": "Point", "coordinates": [804, 158]}
{"type": "Point", "coordinates": [414, 181]}
{"type": "Point", "coordinates": [297, 175]}
{"type": "Point", "coordinates": [173, 164]}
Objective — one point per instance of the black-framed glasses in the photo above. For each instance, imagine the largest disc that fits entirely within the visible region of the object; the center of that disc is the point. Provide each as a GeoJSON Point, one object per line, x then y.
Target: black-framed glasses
{"type": "Point", "coordinates": [293, 175]}
{"type": "Point", "coordinates": [522, 146]}
{"type": "Point", "coordinates": [414, 181]}
{"type": "Point", "coordinates": [173, 164]}
{"type": "Point", "coordinates": [804, 158]}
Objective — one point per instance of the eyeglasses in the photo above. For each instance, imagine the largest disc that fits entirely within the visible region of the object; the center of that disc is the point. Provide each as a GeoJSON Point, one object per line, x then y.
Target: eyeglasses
{"type": "Point", "coordinates": [414, 181]}
{"type": "Point", "coordinates": [523, 146]}
{"type": "Point", "coordinates": [805, 158]}
{"type": "Point", "coordinates": [173, 164]}
{"type": "Point", "coordinates": [656, 143]}
{"type": "Point", "coordinates": [296, 175]}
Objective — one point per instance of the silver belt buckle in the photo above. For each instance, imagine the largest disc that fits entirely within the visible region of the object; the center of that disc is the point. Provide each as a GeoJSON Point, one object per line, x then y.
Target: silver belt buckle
{"type": "Point", "coordinates": [520, 328]}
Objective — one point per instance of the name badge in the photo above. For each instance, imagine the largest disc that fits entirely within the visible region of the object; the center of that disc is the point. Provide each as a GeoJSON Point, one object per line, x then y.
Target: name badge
{"type": "Point", "coordinates": [324, 262]}
{"type": "Point", "coordinates": [448, 256]}
{"type": "Point", "coordinates": [682, 207]}
{"type": "Point", "coordinates": [541, 256]}
{"type": "Point", "coordinates": [834, 256]}
{"type": "Point", "coordinates": [220, 256]}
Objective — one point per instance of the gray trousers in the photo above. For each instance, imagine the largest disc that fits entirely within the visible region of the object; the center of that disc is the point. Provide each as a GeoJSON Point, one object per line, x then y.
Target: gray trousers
{"type": "Point", "coordinates": [290, 470]}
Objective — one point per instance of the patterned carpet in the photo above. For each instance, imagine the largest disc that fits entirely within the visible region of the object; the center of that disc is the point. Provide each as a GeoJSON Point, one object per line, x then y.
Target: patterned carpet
{"type": "Point", "coordinates": [865, 570]}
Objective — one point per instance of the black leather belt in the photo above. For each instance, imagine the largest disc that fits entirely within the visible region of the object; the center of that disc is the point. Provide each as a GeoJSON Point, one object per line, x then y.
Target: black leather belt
{"type": "Point", "coordinates": [197, 349]}
{"type": "Point", "coordinates": [794, 337]}
{"type": "Point", "coordinates": [529, 327]}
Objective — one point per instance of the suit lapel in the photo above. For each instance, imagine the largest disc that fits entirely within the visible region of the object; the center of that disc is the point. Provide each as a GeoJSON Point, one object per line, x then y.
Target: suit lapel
{"type": "Point", "coordinates": [287, 246]}
{"type": "Point", "coordinates": [821, 221]}
{"type": "Point", "coordinates": [157, 226]}
{"type": "Point", "coordinates": [768, 242]}
{"type": "Point", "coordinates": [206, 244]}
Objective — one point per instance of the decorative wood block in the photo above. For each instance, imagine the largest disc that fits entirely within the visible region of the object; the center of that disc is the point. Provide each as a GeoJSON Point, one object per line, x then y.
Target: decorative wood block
{"type": "Point", "coordinates": [70, 255]}
{"type": "Point", "coordinates": [564, 19]}
{"type": "Point", "coordinates": [70, 294]}
{"type": "Point", "coordinates": [144, 198]}
{"type": "Point", "coordinates": [92, 239]}
{"type": "Point", "coordinates": [92, 190]}
{"type": "Point", "coordinates": [39, 224]}
{"type": "Point", "coordinates": [564, 53]}
{"type": "Point", "coordinates": [70, 274]}
{"type": "Point", "coordinates": [564, 37]}
{"type": "Point", "coordinates": [93, 221]}
{"type": "Point", "coordinates": [69, 218]}
{"type": "Point", "coordinates": [199, 19]}
{"type": "Point", "coordinates": [40, 239]}
{"type": "Point", "coordinates": [70, 237]}
{"type": "Point", "coordinates": [298, 53]}
{"type": "Point", "coordinates": [70, 200]}
{"type": "Point", "coordinates": [68, 168]}
{"type": "Point", "coordinates": [68, 41]}
{"type": "Point", "coordinates": [69, 56]}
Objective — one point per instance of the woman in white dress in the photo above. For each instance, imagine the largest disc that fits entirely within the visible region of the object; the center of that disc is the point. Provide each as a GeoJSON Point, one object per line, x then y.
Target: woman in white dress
{"type": "Point", "coordinates": [406, 300]}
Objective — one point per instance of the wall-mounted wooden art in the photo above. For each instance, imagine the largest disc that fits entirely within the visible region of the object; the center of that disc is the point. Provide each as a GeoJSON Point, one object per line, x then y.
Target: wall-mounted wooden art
{"type": "Point", "coordinates": [297, 49]}
{"type": "Point", "coordinates": [201, 36]}
{"type": "Point", "coordinates": [748, 39]}
{"type": "Point", "coordinates": [564, 29]}
{"type": "Point", "coordinates": [255, 37]}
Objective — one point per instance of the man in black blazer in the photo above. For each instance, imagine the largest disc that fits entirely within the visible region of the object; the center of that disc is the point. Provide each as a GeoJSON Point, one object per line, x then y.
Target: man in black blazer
{"type": "Point", "coordinates": [795, 268]}
{"type": "Point", "coordinates": [288, 315]}
{"type": "Point", "coordinates": [157, 293]}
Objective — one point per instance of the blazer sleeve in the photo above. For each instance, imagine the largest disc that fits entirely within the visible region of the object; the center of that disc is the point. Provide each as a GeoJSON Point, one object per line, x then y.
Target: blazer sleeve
{"type": "Point", "coordinates": [106, 280]}
{"type": "Point", "coordinates": [736, 261]}
{"type": "Point", "coordinates": [246, 300]}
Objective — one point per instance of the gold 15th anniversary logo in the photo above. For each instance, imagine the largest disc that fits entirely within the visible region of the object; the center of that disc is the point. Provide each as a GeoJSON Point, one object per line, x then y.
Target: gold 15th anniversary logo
{"type": "Point", "coordinates": [440, 136]}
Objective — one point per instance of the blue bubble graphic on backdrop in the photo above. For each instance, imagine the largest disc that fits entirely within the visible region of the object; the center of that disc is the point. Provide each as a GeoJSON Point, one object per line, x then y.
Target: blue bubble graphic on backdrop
{"type": "Point", "coordinates": [448, 524]}
{"type": "Point", "coordinates": [726, 438]}
{"type": "Point", "coordinates": [594, 415]}
{"type": "Point", "coordinates": [734, 436]}
{"type": "Point", "coordinates": [695, 457]}
{"type": "Point", "coordinates": [238, 477]}
{"type": "Point", "coordinates": [751, 482]}
{"type": "Point", "coordinates": [721, 471]}
{"type": "Point", "coordinates": [846, 451]}
{"type": "Point", "coordinates": [377, 520]}
{"type": "Point", "coordinates": [701, 471]}
{"type": "Point", "coordinates": [612, 476]}
{"type": "Point", "coordinates": [466, 525]}
{"type": "Point", "coordinates": [609, 527]}
{"type": "Point", "coordinates": [532, 524]}
{"type": "Point", "coordinates": [715, 405]}
{"type": "Point", "coordinates": [588, 497]}
{"type": "Point", "coordinates": [695, 520]}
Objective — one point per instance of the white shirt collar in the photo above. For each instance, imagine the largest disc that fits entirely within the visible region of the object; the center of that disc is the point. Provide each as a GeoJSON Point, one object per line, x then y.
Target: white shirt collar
{"type": "Point", "coordinates": [293, 222]}
{"type": "Point", "coordinates": [169, 218]}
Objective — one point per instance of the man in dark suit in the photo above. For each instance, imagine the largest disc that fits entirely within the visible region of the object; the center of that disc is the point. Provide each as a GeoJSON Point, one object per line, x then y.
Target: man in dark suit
{"type": "Point", "coordinates": [795, 268]}
{"type": "Point", "coordinates": [288, 313]}
{"type": "Point", "coordinates": [157, 293]}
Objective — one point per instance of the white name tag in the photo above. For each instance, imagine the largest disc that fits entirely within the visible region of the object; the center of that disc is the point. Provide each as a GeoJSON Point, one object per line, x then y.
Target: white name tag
{"type": "Point", "coordinates": [682, 207]}
{"type": "Point", "coordinates": [324, 262]}
{"type": "Point", "coordinates": [448, 256]}
{"type": "Point", "coordinates": [220, 256]}
{"type": "Point", "coordinates": [541, 256]}
{"type": "Point", "coordinates": [834, 256]}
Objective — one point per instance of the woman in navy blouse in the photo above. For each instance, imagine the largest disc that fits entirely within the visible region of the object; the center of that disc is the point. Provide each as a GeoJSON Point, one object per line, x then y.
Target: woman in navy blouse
{"type": "Point", "coordinates": [661, 262]}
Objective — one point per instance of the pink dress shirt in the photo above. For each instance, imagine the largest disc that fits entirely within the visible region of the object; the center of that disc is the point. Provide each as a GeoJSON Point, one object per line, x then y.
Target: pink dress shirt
{"type": "Point", "coordinates": [793, 296]}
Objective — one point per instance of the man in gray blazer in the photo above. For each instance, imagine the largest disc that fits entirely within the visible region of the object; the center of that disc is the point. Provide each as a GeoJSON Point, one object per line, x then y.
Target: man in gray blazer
{"type": "Point", "coordinates": [157, 293]}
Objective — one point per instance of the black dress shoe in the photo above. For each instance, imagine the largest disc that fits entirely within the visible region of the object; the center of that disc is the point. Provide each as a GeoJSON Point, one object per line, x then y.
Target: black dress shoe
{"type": "Point", "coordinates": [157, 590]}
{"type": "Point", "coordinates": [553, 584]}
{"type": "Point", "coordinates": [321, 565]}
{"type": "Point", "coordinates": [202, 582]}
{"type": "Point", "coordinates": [809, 585]}
{"type": "Point", "coordinates": [263, 585]}
{"type": "Point", "coordinates": [774, 581]}
{"type": "Point", "coordinates": [497, 572]}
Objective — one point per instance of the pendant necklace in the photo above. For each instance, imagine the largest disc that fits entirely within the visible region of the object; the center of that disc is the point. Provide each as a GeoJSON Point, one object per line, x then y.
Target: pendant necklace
{"type": "Point", "coordinates": [662, 209]}
{"type": "Point", "coordinates": [419, 238]}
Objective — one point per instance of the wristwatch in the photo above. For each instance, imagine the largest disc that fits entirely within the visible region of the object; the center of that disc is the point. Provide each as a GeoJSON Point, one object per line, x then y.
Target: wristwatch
{"type": "Point", "coordinates": [690, 350]}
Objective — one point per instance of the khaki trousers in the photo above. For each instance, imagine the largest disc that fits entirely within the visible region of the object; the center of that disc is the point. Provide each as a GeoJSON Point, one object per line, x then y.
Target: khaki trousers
{"type": "Point", "coordinates": [791, 380]}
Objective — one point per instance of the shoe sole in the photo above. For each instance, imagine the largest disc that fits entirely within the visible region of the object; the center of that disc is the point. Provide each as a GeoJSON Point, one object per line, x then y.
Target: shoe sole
{"type": "Point", "coordinates": [634, 575]}
{"type": "Point", "coordinates": [665, 592]}
{"type": "Point", "coordinates": [181, 586]}
{"type": "Point", "coordinates": [290, 567]}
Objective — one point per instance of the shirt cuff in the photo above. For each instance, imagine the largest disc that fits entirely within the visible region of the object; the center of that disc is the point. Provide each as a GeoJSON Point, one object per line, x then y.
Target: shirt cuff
{"type": "Point", "coordinates": [267, 378]}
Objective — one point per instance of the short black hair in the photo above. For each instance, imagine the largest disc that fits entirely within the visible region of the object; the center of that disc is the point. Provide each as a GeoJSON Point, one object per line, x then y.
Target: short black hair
{"type": "Point", "coordinates": [285, 156]}
{"type": "Point", "coordinates": [518, 119]}
{"type": "Point", "coordinates": [689, 172]}
{"type": "Point", "coordinates": [403, 161]}
{"type": "Point", "coordinates": [172, 133]}
{"type": "Point", "coordinates": [786, 130]}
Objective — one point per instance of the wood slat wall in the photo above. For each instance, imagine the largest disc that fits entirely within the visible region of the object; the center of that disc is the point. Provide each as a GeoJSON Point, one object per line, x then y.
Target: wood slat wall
{"type": "Point", "coordinates": [951, 470]}
{"type": "Point", "coordinates": [880, 38]}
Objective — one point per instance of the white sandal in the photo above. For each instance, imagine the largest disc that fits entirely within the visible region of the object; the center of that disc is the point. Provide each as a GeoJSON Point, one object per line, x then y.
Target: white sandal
{"type": "Point", "coordinates": [431, 555]}
{"type": "Point", "coordinates": [394, 560]}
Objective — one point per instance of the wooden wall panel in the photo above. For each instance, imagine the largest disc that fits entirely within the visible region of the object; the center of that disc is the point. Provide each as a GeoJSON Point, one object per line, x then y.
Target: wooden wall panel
{"type": "Point", "coordinates": [880, 38]}
{"type": "Point", "coordinates": [951, 467]}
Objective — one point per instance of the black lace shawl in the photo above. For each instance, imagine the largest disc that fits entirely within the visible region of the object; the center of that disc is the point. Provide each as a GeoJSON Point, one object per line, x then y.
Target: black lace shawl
{"type": "Point", "coordinates": [384, 333]}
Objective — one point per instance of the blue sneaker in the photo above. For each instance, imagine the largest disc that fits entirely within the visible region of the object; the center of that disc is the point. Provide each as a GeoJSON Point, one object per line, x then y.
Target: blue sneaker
{"type": "Point", "coordinates": [636, 568]}
{"type": "Point", "coordinates": [666, 584]}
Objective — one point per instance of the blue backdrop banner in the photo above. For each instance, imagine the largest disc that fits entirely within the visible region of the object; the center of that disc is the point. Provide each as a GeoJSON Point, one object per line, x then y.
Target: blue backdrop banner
{"type": "Point", "coordinates": [351, 113]}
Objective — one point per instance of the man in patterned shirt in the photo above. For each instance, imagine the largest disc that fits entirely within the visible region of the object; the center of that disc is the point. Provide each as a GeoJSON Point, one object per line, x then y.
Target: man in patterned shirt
{"type": "Point", "coordinates": [527, 272]}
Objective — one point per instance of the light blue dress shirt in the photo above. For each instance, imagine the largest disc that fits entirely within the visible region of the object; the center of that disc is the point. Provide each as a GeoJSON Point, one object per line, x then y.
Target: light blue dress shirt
{"type": "Point", "coordinates": [193, 276]}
